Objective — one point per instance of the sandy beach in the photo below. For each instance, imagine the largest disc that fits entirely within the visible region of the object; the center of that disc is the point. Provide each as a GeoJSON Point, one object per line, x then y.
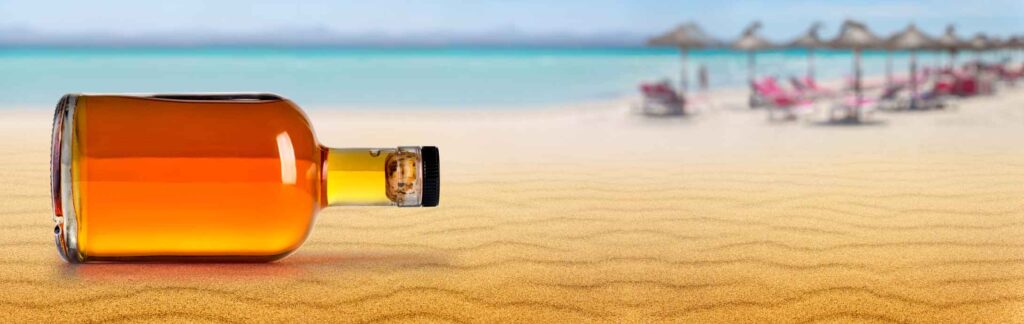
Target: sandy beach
{"type": "Point", "coordinates": [592, 214]}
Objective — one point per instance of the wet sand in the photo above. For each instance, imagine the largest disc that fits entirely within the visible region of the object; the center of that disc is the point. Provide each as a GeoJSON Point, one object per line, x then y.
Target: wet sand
{"type": "Point", "coordinates": [592, 214]}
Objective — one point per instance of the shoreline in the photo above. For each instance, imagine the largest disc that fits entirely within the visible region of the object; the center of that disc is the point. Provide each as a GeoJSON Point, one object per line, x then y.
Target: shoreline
{"type": "Point", "coordinates": [718, 94]}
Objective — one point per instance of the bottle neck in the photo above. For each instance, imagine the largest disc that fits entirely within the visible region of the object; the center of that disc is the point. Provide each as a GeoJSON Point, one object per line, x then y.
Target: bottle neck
{"type": "Point", "coordinates": [372, 177]}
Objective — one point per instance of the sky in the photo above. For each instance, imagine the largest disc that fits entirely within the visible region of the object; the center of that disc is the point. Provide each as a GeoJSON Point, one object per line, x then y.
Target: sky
{"type": "Point", "coordinates": [722, 18]}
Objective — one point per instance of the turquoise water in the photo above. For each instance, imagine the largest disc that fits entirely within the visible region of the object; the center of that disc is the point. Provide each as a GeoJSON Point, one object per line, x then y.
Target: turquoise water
{"type": "Point", "coordinates": [462, 78]}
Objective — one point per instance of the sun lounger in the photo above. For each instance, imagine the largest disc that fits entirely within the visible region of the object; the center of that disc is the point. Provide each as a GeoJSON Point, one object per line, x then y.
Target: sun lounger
{"type": "Point", "coordinates": [1009, 75]}
{"type": "Point", "coordinates": [931, 99]}
{"type": "Point", "coordinates": [853, 108]}
{"type": "Point", "coordinates": [965, 85]}
{"type": "Point", "coordinates": [659, 99]}
{"type": "Point", "coordinates": [931, 96]}
{"type": "Point", "coordinates": [778, 99]}
{"type": "Point", "coordinates": [809, 88]}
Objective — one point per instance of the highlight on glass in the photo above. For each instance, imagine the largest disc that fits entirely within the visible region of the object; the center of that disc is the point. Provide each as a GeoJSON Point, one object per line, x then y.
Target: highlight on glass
{"type": "Point", "coordinates": [210, 177]}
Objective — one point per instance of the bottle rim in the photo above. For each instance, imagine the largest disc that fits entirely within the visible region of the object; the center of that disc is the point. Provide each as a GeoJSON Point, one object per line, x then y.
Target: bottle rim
{"type": "Point", "coordinates": [65, 226]}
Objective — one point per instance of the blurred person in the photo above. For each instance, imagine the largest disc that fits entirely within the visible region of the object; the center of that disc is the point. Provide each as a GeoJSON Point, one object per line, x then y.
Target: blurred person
{"type": "Point", "coordinates": [702, 77]}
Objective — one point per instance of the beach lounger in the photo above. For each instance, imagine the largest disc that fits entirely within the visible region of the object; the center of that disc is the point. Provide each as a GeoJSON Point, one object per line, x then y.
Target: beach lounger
{"type": "Point", "coordinates": [768, 87]}
{"type": "Point", "coordinates": [809, 88]}
{"type": "Point", "coordinates": [943, 86]}
{"type": "Point", "coordinates": [853, 109]}
{"type": "Point", "coordinates": [893, 97]}
{"type": "Point", "coordinates": [1009, 75]}
{"type": "Point", "coordinates": [932, 97]}
{"type": "Point", "coordinates": [965, 85]}
{"type": "Point", "coordinates": [660, 99]}
{"type": "Point", "coordinates": [899, 96]}
{"type": "Point", "coordinates": [779, 100]}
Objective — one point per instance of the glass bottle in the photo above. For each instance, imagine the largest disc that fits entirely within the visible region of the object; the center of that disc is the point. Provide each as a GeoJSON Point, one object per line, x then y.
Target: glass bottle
{"type": "Point", "coordinates": [210, 177]}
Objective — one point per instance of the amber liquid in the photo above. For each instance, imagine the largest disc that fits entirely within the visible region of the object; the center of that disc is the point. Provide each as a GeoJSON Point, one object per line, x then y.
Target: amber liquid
{"type": "Point", "coordinates": [172, 178]}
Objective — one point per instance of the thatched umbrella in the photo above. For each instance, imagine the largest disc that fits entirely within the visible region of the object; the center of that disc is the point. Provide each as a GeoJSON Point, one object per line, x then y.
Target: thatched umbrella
{"type": "Point", "coordinates": [686, 36]}
{"type": "Point", "coordinates": [1015, 42]}
{"type": "Point", "coordinates": [978, 43]}
{"type": "Point", "coordinates": [910, 39]}
{"type": "Point", "coordinates": [751, 42]}
{"type": "Point", "coordinates": [996, 42]}
{"type": "Point", "coordinates": [888, 68]}
{"type": "Point", "coordinates": [950, 43]}
{"type": "Point", "coordinates": [809, 41]}
{"type": "Point", "coordinates": [855, 36]}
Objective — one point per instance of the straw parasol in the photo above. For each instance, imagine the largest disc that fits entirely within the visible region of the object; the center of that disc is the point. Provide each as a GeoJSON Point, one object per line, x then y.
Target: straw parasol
{"type": "Point", "coordinates": [809, 41]}
{"type": "Point", "coordinates": [751, 42]}
{"type": "Point", "coordinates": [685, 37]}
{"type": "Point", "coordinates": [950, 43]}
{"type": "Point", "coordinates": [911, 39]}
{"type": "Point", "coordinates": [856, 36]}
{"type": "Point", "coordinates": [979, 42]}
{"type": "Point", "coordinates": [888, 68]}
{"type": "Point", "coordinates": [1015, 42]}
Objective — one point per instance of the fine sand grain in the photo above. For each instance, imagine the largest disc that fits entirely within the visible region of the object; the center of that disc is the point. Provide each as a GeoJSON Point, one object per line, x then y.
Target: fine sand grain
{"type": "Point", "coordinates": [592, 214]}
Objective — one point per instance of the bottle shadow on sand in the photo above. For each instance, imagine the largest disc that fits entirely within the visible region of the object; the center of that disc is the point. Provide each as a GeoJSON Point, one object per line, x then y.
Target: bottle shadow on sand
{"type": "Point", "coordinates": [295, 266]}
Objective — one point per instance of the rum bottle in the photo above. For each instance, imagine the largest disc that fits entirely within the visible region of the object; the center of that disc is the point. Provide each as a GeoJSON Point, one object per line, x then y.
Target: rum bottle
{"type": "Point", "coordinates": [210, 177]}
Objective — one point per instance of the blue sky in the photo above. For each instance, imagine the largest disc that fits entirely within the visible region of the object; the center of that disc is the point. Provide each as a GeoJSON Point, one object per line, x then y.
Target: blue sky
{"type": "Point", "coordinates": [782, 19]}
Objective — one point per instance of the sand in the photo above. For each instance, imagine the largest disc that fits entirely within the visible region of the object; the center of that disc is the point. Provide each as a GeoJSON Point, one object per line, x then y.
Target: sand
{"type": "Point", "coordinates": [589, 213]}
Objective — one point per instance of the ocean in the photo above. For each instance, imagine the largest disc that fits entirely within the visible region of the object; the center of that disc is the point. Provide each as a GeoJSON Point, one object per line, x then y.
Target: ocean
{"type": "Point", "coordinates": [396, 78]}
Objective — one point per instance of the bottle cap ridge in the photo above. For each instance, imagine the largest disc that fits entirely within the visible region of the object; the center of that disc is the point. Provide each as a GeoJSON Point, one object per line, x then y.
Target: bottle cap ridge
{"type": "Point", "coordinates": [431, 176]}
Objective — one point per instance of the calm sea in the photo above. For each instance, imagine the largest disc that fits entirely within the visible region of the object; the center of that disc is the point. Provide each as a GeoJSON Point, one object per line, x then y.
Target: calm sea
{"type": "Point", "coordinates": [462, 78]}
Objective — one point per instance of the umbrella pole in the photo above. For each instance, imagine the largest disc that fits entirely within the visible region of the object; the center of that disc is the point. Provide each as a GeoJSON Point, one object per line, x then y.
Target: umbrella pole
{"type": "Point", "coordinates": [888, 69]}
{"type": "Point", "coordinates": [952, 59]}
{"type": "Point", "coordinates": [751, 67]}
{"type": "Point", "coordinates": [977, 67]}
{"type": "Point", "coordinates": [810, 63]}
{"type": "Point", "coordinates": [751, 75]}
{"type": "Point", "coordinates": [683, 79]}
{"type": "Point", "coordinates": [913, 79]}
{"type": "Point", "coordinates": [856, 84]}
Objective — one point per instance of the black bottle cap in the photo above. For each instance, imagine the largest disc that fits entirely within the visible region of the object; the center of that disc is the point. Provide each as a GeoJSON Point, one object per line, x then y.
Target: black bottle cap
{"type": "Point", "coordinates": [431, 176]}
